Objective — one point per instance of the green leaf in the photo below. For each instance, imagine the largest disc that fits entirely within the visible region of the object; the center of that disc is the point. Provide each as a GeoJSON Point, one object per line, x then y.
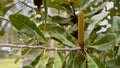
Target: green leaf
{"type": "Point", "coordinates": [96, 9]}
{"type": "Point", "coordinates": [42, 61]}
{"type": "Point", "coordinates": [114, 63]}
{"type": "Point", "coordinates": [116, 24]}
{"type": "Point", "coordinates": [58, 1]}
{"type": "Point", "coordinates": [67, 6]}
{"type": "Point", "coordinates": [50, 63]}
{"type": "Point", "coordinates": [2, 30]}
{"type": "Point", "coordinates": [36, 60]}
{"type": "Point", "coordinates": [77, 3]}
{"type": "Point", "coordinates": [59, 33]}
{"type": "Point", "coordinates": [7, 5]}
{"type": "Point", "coordinates": [27, 66]}
{"type": "Point", "coordinates": [17, 59]}
{"type": "Point", "coordinates": [78, 60]}
{"type": "Point", "coordinates": [63, 39]}
{"type": "Point", "coordinates": [116, 27]}
{"type": "Point", "coordinates": [83, 4]}
{"type": "Point", "coordinates": [56, 6]}
{"type": "Point", "coordinates": [25, 51]}
{"type": "Point", "coordinates": [102, 56]}
{"type": "Point", "coordinates": [60, 20]}
{"type": "Point", "coordinates": [105, 43]}
{"type": "Point", "coordinates": [62, 55]}
{"type": "Point", "coordinates": [94, 62]}
{"type": "Point", "coordinates": [58, 61]}
{"type": "Point", "coordinates": [75, 60]}
{"type": "Point", "coordinates": [25, 25]}
{"type": "Point", "coordinates": [94, 20]}
{"type": "Point", "coordinates": [69, 63]}
{"type": "Point", "coordinates": [83, 65]}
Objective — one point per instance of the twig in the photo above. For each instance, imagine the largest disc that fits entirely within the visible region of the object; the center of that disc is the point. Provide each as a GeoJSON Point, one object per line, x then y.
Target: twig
{"type": "Point", "coordinates": [27, 5]}
{"type": "Point", "coordinates": [39, 47]}
{"type": "Point", "coordinates": [1, 17]}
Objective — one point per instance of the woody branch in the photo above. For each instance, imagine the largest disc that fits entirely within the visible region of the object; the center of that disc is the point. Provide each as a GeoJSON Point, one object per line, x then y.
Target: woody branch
{"type": "Point", "coordinates": [39, 47]}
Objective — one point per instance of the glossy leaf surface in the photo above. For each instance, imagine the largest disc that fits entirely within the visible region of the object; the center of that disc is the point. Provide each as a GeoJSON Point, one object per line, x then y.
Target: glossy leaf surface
{"type": "Point", "coordinates": [25, 25]}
